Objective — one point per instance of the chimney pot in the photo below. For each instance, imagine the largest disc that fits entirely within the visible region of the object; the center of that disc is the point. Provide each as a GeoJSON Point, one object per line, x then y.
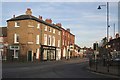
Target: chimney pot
{"type": "Point", "coordinates": [40, 17]}
{"type": "Point", "coordinates": [59, 24]}
{"type": "Point", "coordinates": [28, 12]}
{"type": "Point", "coordinates": [68, 29]}
{"type": "Point", "coordinates": [13, 16]}
{"type": "Point", "coordinates": [48, 21]}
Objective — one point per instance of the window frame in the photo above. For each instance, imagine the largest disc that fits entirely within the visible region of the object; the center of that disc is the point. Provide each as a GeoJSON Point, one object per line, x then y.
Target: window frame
{"type": "Point", "coordinates": [37, 39]}
{"type": "Point", "coordinates": [45, 39]}
{"type": "Point", "coordinates": [16, 38]}
{"type": "Point", "coordinates": [16, 24]}
{"type": "Point", "coordinates": [38, 26]}
{"type": "Point", "coordinates": [45, 28]}
{"type": "Point", "coordinates": [54, 31]}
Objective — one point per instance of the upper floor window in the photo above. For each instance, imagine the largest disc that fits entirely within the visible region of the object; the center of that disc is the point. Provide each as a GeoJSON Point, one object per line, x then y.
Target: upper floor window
{"type": "Point", "coordinates": [58, 43]}
{"type": "Point", "coordinates": [37, 39]}
{"type": "Point", "coordinates": [45, 39]}
{"type": "Point", "coordinates": [45, 28]}
{"type": "Point", "coordinates": [58, 32]}
{"type": "Point", "coordinates": [16, 38]}
{"type": "Point", "coordinates": [63, 41]}
{"type": "Point", "coordinates": [53, 30]}
{"type": "Point", "coordinates": [17, 24]}
{"type": "Point", "coordinates": [49, 40]}
{"type": "Point", "coordinates": [68, 35]}
{"type": "Point", "coordinates": [50, 29]}
{"type": "Point", "coordinates": [38, 26]}
{"type": "Point", "coordinates": [68, 43]}
{"type": "Point", "coordinates": [63, 33]}
{"type": "Point", "coordinates": [53, 41]}
{"type": "Point", "coordinates": [30, 24]}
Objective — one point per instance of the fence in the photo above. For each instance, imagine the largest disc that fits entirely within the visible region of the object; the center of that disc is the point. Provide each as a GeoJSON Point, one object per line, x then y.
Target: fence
{"type": "Point", "coordinates": [105, 66]}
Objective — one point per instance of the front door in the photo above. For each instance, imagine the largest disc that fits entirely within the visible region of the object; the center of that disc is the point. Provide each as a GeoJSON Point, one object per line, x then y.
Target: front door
{"type": "Point", "coordinates": [29, 55]}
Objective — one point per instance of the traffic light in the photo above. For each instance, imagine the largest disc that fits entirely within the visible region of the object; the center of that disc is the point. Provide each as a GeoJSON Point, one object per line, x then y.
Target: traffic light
{"type": "Point", "coordinates": [95, 46]}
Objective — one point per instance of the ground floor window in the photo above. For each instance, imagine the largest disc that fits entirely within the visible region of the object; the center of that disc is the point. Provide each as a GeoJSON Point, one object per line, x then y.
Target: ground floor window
{"type": "Point", "coordinates": [48, 54]}
{"type": "Point", "coordinates": [45, 55]}
{"type": "Point", "coordinates": [16, 53]}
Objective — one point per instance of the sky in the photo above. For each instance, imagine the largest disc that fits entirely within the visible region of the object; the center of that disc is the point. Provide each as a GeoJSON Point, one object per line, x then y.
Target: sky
{"type": "Point", "coordinates": [85, 21]}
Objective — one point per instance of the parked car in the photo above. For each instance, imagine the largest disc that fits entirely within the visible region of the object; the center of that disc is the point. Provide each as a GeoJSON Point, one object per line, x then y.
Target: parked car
{"type": "Point", "coordinates": [116, 59]}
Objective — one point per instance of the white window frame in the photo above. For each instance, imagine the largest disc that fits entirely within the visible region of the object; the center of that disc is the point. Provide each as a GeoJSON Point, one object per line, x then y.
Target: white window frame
{"type": "Point", "coordinates": [53, 40]}
{"type": "Point", "coordinates": [38, 26]}
{"type": "Point", "coordinates": [49, 37]}
{"type": "Point", "coordinates": [58, 43]}
{"type": "Point", "coordinates": [15, 38]}
{"type": "Point", "coordinates": [30, 42]}
{"type": "Point", "coordinates": [58, 32]}
{"type": "Point", "coordinates": [16, 24]}
{"type": "Point", "coordinates": [63, 33]}
{"type": "Point", "coordinates": [50, 29]}
{"type": "Point", "coordinates": [30, 24]}
{"type": "Point", "coordinates": [45, 28]}
{"type": "Point", "coordinates": [16, 54]}
{"type": "Point", "coordinates": [68, 35]}
{"type": "Point", "coordinates": [45, 39]}
{"type": "Point", "coordinates": [53, 30]}
{"type": "Point", "coordinates": [37, 39]}
{"type": "Point", "coordinates": [63, 41]}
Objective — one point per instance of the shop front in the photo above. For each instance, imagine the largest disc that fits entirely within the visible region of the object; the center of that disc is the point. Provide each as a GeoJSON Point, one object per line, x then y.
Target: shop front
{"type": "Point", "coordinates": [48, 53]}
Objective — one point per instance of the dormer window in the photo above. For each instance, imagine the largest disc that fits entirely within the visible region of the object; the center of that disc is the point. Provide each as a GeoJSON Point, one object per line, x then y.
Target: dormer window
{"type": "Point", "coordinates": [17, 24]}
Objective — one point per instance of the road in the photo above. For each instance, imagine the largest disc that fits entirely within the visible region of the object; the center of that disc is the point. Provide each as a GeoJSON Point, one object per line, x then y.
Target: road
{"type": "Point", "coordinates": [74, 68]}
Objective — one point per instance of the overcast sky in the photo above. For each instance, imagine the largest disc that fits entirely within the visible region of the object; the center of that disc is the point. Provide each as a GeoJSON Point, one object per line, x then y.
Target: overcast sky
{"type": "Point", "coordinates": [85, 21]}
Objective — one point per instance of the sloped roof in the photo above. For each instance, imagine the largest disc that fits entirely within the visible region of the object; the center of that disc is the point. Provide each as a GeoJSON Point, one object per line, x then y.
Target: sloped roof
{"type": "Point", "coordinates": [30, 17]}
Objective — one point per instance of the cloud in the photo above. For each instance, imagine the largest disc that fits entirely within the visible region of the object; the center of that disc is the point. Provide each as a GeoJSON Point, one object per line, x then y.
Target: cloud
{"type": "Point", "coordinates": [85, 21]}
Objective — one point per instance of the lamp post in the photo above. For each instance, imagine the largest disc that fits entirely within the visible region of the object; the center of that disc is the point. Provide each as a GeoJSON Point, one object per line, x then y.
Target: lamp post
{"type": "Point", "coordinates": [107, 6]}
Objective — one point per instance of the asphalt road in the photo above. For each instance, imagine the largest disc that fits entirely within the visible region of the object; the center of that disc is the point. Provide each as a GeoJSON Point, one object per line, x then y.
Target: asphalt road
{"type": "Point", "coordinates": [75, 68]}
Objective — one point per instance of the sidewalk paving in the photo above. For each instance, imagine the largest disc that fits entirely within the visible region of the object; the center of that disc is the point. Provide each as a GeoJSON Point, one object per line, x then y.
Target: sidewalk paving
{"type": "Point", "coordinates": [57, 62]}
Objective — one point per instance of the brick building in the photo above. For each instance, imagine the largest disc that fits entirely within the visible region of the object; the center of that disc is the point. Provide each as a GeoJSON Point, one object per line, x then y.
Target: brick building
{"type": "Point", "coordinates": [3, 43]}
{"type": "Point", "coordinates": [31, 38]}
{"type": "Point", "coordinates": [67, 43]}
{"type": "Point", "coordinates": [114, 45]}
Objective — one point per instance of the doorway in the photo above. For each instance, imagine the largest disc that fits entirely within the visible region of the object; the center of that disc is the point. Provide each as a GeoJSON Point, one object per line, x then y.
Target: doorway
{"type": "Point", "coordinates": [29, 55]}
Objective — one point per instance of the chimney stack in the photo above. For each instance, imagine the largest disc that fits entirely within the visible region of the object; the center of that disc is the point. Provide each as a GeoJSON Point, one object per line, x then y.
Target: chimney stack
{"type": "Point", "coordinates": [13, 16]}
{"type": "Point", "coordinates": [28, 12]}
{"type": "Point", "coordinates": [68, 29]}
{"type": "Point", "coordinates": [40, 17]}
{"type": "Point", "coordinates": [59, 24]}
{"type": "Point", "coordinates": [48, 21]}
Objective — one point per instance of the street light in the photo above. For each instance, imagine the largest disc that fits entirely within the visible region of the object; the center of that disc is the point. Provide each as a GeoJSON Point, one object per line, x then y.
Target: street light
{"type": "Point", "coordinates": [107, 6]}
{"type": "Point", "coordinates": [99, 7]}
